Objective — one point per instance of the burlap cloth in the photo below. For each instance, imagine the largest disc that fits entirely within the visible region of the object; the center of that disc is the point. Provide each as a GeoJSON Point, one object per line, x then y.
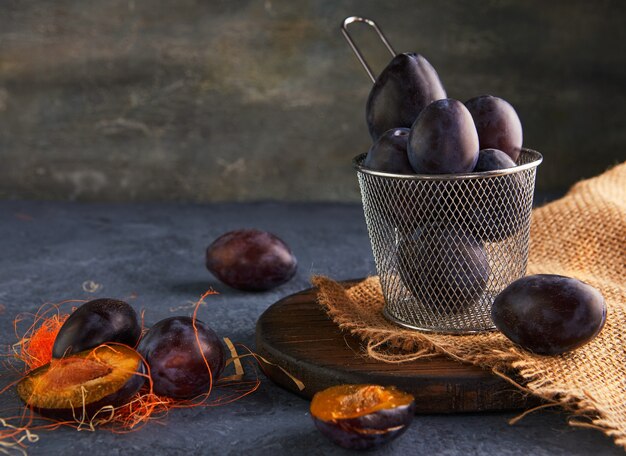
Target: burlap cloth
{"type": "Point", "coordinates": [582, 235]}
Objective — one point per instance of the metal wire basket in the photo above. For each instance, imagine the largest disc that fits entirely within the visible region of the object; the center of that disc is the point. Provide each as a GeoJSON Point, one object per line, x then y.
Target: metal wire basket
{"type": "Point", "coordinates": [446, 245]}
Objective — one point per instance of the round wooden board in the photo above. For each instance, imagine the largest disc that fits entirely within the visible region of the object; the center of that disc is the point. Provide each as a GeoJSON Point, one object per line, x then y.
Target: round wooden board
{"type": "Point", "coordinates": [296, 334]}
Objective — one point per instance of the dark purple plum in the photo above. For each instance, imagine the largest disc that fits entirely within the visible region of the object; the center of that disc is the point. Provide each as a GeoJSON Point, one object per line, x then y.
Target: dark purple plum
{"type": "Point", "coordinates": [175, 357]}
{"type": "Point", "coordinates": [445, 269]}
{"type": "Point", "coordinates": [388, 154]}
{"type": "Point", "coordinates": [361, 417]}
{"type": "Point", "coordinates": [549, 314]}
{"type": "Point", "coordinates": [95, 323]}
{"type": "Point", "coordinates": [494, 204]}
{"type": "Point", "coordinates": [407, 85]}
{"type": "Point", "coordinates": [497, 124]}
{"type": "Point", "coordinates": [493, 159]}
{"type": "Point", "coordinates": [251, 260]}
{"type": "Point", "coordinates": [443, 139]}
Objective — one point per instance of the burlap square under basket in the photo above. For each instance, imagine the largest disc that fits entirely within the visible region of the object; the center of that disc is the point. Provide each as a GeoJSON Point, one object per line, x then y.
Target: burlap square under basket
{"type": "Point", "coordinates": [582, 235]}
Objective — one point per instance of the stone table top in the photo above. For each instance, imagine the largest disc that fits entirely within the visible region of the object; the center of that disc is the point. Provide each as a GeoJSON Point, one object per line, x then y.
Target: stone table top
{"type": "Point", "coordinates": [153, 256]}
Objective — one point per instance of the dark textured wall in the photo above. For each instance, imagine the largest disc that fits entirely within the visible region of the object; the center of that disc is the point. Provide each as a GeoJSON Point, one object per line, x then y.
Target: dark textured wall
{"type": "Point", "coordinates": [239, 100]}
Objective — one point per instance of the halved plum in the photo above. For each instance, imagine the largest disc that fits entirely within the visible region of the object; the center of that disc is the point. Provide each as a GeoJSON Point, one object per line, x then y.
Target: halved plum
{"type": "Point", "coordinates": [79, 385]}
{"type": "Point", "coordinates": [359, 417]}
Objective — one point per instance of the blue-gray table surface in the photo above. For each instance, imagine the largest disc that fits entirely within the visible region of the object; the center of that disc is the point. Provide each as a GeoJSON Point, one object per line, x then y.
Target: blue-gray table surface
{"type": "Point", "coordinates": [155, 253]}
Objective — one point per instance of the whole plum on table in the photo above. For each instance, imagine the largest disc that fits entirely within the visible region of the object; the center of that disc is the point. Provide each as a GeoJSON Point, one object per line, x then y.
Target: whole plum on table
{"type": "Point", "coordinates": [497, 124]}
{"type": "Point", "coordinates": [443, 139]}
{"type": "Point", "coordinates": [407, 85]}
{"type": "Point", "coordinates": [388, 154]}
{"type": "Point", "coordinates": [445, 269]}
{"type": "Point", "coordinates": [549, 314]}
{"type": "Point", "coordinates": [251, 260]}
{"type": "Point", "coordinates": [360, 417]}
{"type": "Point", "coordinates": [177, 358]}
{"type": "Point", "coordinates": [97, 322]}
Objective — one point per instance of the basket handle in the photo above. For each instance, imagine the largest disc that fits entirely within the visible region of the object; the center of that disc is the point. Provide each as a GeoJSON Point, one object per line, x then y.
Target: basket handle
{"type": "Point", "coordinates": [344, 29]}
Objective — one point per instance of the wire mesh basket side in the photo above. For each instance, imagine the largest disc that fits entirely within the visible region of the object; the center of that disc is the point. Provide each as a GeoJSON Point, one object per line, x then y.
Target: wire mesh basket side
{"type": "Point", "coordinates": [445, 247]}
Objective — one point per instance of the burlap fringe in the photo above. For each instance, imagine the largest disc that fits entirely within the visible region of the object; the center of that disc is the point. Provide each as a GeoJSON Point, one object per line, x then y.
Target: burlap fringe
{"type": "Point", "coordinates": [583, 235]}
